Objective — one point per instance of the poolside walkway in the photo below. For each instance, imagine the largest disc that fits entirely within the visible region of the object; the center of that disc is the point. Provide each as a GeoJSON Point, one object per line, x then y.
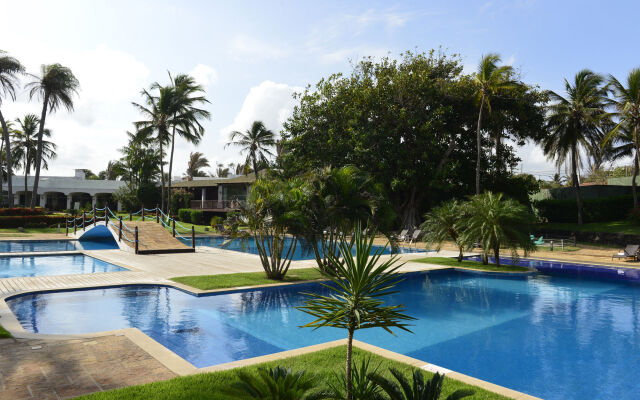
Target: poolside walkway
{"type": "Point", "coordinates": [42, 370]}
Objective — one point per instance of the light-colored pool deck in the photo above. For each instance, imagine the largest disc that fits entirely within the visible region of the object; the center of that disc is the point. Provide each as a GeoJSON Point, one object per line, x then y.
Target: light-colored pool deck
{"type": "Point", "coordinates": [145, 269]}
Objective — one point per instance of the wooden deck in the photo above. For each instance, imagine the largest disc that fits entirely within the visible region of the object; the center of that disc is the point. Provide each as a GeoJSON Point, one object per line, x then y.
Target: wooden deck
{"type": "Point", "coordinates": [153, 238]}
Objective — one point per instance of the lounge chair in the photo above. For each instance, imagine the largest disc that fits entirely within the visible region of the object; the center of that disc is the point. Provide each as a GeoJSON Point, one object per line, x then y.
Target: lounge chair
{"type": "Point", "coordinates": [414, 235]}
{"type": "Point", "coordinates": [631, 251]}
{"type": "Point", "coordinates": [538, 242]}
{"type": "Point", "coordinates": [403, 235]}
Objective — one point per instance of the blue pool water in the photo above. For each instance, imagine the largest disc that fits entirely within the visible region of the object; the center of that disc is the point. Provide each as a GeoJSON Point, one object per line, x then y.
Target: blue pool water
{"type": "Point", "coordinates": [555, 337]}
{"type": "Point", "coordinates": [19, 267]}
{"type": "Point", "coordinates": [303, 249]}
{"type": "Point", "coordinates": [21, 246]}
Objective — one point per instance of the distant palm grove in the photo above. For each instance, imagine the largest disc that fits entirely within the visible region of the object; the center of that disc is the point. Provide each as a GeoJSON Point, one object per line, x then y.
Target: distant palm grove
{"type": "Point", "coordinates": [416, 127]}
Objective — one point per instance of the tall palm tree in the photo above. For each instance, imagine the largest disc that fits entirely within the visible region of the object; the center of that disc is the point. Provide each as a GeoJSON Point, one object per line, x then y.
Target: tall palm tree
{"type": "Point", "coordinates": [256, 142]}
{"type": "Point", "coordinates": [56, 87]}
{"type": "Point", "coordinates": [26, 141]}
{"type": "Point", "coordinates": [187, 116]}
{"type": "Point", "coordinates": [491, 80]}
{"type": "Point", "coordinates": [10, 68]}
{"type": "Point", "coordinates": [573, 121]}
{"type": "Point", "coordinates": [626, 102]}
{"type": "Point", "coordinates": [197, 161]}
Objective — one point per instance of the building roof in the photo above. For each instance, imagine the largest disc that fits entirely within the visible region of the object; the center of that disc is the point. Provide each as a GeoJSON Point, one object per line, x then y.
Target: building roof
{"type": "Point", "coordinates": [65, 184]}
{"type": "Point", "coordinates": [249, 178]}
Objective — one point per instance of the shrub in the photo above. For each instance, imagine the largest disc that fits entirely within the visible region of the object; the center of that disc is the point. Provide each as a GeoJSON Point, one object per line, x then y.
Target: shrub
{"type": "Point", "coordinates": [594, 210]}
{"type": "Point", "coordinates": [16, 221]}
{"type": "Point", "coordinates": [184, 215]}
{"type": "Point", "coordinates": [21, 211]}
{"type": "Point", "coordinates": [180, 200]}
{"type": "Point", "coordinates": [197, 217]}
{"type": "Point", "coordinates": [216, 220]}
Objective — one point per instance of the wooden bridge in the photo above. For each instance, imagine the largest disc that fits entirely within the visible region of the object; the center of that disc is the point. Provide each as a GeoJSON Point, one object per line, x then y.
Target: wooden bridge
{"type": "Point", "coordinates": [148, 231]}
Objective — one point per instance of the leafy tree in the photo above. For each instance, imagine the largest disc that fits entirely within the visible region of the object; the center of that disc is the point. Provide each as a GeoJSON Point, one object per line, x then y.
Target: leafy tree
{"type": "Point", "coordinates": [114, 170]}
{"type": "Point", "coordinates": [25, 139]}
{"type": "Point", "coordinates": [256, 142]}
{"type": "Point", "coordinates": [626, 103]}
{"type": "Point", "coordinates": [357, 288]}
{"type": "Point", "coordinates": [418, 389]}
{"type": "Point", "coordinates": [491, 80]}
{"type": "Point", "coordinates": [277, 383]}
{"type": "Point", "coordinates": [196, 161]}
{"type": "Point", "coordinates": [625, 147]}
{"type": "Point", "coordinates": [497, 222]}
{"type": "Point", "coordinates": [55, 86]}
{"type": "Point", "coordinates": [444, 223]}
{"type": "Point", "coordinates": [574, 121]}
{"type": "Point", "coordinates": [409, 123]}
{"type": "Point", "coordinates": [10, 68]}
{"type": "Point", "coordinates": [187, 115]}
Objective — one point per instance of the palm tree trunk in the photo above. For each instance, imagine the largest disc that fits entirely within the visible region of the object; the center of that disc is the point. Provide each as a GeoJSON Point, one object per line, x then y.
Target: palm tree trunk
{"type": "Point", "coordinates": [1, 149]}
{"type": "Point", "coordinates": [348, 369]}
{"type": "Point", "coordinates": [27, 167]}
{"type": "Point", "coordinates": [173, 145]}
{"type": "Point", "coordinates": [255, 165]}
{"type": "Point", "coordinates": [634, 189]}
{"type": "Point", "coordinates": [479, 144]}
{"type": "Point", "coordinates": [496, 254]}
{"type": "Point", "coordinates": [576, 184]}
{"type": "Point", "coordinates": [7, 148]}
{"type": "Point", "coordinates": [161, 175]}
{"type": "Point", "coordinates": [36, 178]}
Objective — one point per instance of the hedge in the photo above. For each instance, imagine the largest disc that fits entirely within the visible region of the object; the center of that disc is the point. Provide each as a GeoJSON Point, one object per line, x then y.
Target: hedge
{"type": "Point", "coordinates": [593, 210]}
{"type": "Point", "coordinates": [184, 215]}
{"type": "Point", "coordinates": [31, 221]}
{"type": "Point", "coordinates": [21, 211]}
{"type": "Point", "coordinates": [197, 216]}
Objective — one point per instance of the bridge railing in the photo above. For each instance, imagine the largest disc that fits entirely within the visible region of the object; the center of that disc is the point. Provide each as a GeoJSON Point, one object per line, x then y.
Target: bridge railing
{"type": "Point", "coordinates": [125, 232]}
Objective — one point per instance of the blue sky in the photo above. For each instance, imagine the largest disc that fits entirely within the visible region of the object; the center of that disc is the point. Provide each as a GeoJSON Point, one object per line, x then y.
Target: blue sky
{"type": "Point", "coordinates": [251, 55]}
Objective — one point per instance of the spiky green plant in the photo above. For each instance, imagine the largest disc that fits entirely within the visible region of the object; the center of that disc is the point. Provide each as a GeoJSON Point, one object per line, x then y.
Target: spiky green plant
{"type": "Point", "coordinates": [497, 222]}
{"type": "Point", "coordinates": [277, 383]}
{"type": "Point", "coordinates": [357, 288]}
{"type": "Point", "coordinates": [418, 389]}
{"type": "Point", "coordinates": [362, 388]}
{"type": "Point", "coordinates": [443, 223]}
{"type": "Point", "coordinates": [256, 141]}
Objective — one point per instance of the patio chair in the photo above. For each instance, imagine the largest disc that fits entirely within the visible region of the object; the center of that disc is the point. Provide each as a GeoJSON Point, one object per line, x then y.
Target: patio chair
{"type": "Point", "coordinates": [631, 251]}
{"type": "Point", "coordinates": [538, 242]}
{"type": "Point", "coordinates": [403, 235]}
{"type": "Point", "coordinates": [415, 235]}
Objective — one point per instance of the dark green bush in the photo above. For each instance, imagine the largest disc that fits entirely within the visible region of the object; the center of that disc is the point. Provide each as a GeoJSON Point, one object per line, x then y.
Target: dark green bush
{"type": "Point", "coordinates": [180, 200]}
{"type": "Point", "coordinates": [184, 215]}
{"type": "Point", "coordinates": [216, 220]}
{"type": "Point", "coordinates": [197, 216]}
{"type": "Point", "coordinates": [593, 210]}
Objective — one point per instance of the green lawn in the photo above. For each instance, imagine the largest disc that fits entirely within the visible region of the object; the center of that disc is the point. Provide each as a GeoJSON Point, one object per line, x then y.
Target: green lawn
{"type": "Point", "coordinates": [625, 226]}
{"type": "Point", "coordinates": [200, 229]}
{"type": "Point", "coordinates": [322, 364]}
{"type": "Point", "coordinates": [28, 231]}
{"type": "Point", "coordinates": [208, 282]}
{"type": "Point", "coordinates": [3, 333]}
{"type": "Point", "coordinates": [452, 262]}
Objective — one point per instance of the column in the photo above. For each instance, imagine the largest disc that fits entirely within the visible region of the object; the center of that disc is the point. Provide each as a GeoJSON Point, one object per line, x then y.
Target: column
{"type": "Point", "coordinates": [93, 200]}
{"type": "Point", "coordinates": [16, 200]}
{"type": "Point", "coordinates": [69, 201]}
{"type": "Point", "coordinates": [204, 194]}
{"type": "Point", "coordinates": [119, 208]}
{"type": "Point", "coordinates": [220, 193]}
{"type": "Point", "coordinates": [43, 200]}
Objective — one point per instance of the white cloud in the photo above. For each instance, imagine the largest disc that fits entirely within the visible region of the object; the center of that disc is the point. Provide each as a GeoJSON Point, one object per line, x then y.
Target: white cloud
{"type": "Point", "coordinates": [269, 102]}
{"type": "Point", "coordinates": [355, 53]}
{"type": "Point", "coordinates": [247, 48]}
{"type": "Point", "coordinates": [204, 75]}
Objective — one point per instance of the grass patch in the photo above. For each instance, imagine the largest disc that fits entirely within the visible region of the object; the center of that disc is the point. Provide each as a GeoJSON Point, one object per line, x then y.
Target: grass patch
{"type": "Point", "coordinates": [322, 364]}
{"type": "Point", "coordinates": [557, 248]}
{"type": "Point", "coordinates": [26, 231]}
{"type": "Point", "coordinates": [3, 333]}
{"type": "Point", "coordinates": [624, 226]}
{"type": "Point", "coordinates": [452, 262]}
{"type": "Point", "coordinates": [209, 282]}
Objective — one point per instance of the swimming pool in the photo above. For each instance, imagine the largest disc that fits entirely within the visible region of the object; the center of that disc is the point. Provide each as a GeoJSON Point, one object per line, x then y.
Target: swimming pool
{"type": "Point", "coordinates": [20, 267]}
{"type": "Point", "coordinates": [554, 337]}
{"type": "Point", "coordinates": [303, 249]}
{"type": "Point", "coordinates": [22, 246]}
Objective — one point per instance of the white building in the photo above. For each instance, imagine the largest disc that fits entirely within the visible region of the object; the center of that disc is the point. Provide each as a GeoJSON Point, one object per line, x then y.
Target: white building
{"type": "Point", "coordinates": [65, 192]}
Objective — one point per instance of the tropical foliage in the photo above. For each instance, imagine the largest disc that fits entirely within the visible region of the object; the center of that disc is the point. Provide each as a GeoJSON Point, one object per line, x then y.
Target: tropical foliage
{"type": "Point", "coordinates": [277, 383]}
{"type": "Point", "coordinates": [418, 389]}
{"type": "Point", "coordinates": [444, 223]}
{"type": "Point", "coordinates": [356, 291]}
{"type": "Point", "coordinates": [197, 161]}
{"type": "Point", "coordinates": [496, 223]}
{"type": "Point", "coordinates": [256, 142]}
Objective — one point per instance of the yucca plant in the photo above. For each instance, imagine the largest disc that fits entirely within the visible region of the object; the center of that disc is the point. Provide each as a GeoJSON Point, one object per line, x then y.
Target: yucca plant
{"type": "Point", "coordinates": [418, 389]}
{"type": "Point", "coordinates": [357, 288]}
{"type": "Point", "coordinates": [277, 383]}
